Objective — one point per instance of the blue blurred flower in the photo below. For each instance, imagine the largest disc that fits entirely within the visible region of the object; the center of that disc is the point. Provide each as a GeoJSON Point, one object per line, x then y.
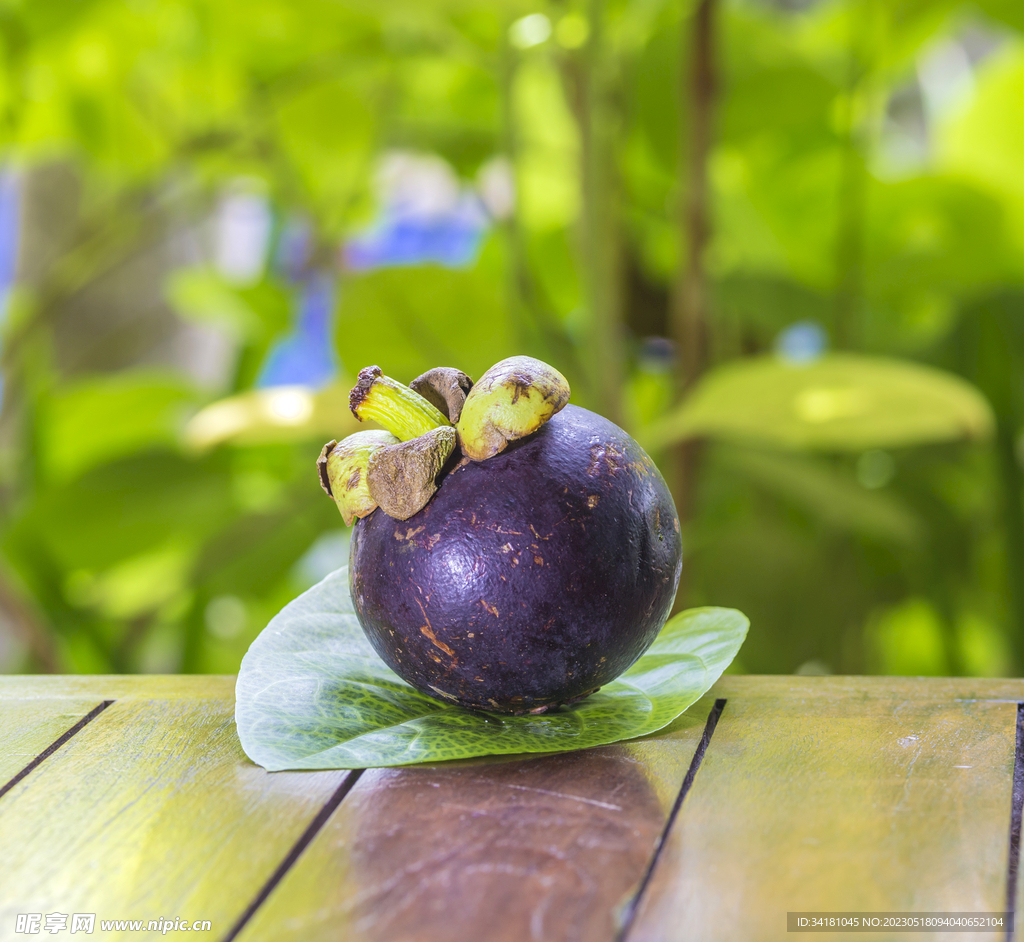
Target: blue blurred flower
{"type": "Point", "coordinates": [293, 249]}
{"type": "Point", "coordinates": [656, 355]}
{"type": "Point", "coordinates": [243, 225]}
{"type": "Point", "coordinates": [452, 240]}
{"type": "Point", "coordinates": [802, 342]}
{"type": "Point", "coordinates": [306, 355]}
{"type": "Point", "coordinates": [10, 221]}
{"type": "Point", "coordinates": [426, 216]}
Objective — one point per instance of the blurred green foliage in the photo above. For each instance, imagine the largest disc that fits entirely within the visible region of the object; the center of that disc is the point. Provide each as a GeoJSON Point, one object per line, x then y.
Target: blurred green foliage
{"type": "Point", "coordinates": [862, 179]}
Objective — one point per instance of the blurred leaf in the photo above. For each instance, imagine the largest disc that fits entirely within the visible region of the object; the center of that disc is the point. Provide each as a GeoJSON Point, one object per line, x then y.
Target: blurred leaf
{"type": "Point", "coordinates": [1008, 11]}
{"type": "Point", "coordinates": [326, 129]}
{"type": "Point", "coordinates": [451, 105]}
{"type": "Point", "coordinates": [313, 694]}
{"type": "Point", "coordinates": [831, 497]}
{"type": "Point", "coordinates": [126, 508]}
{"type": "Point", "coordinates": [98, 420]}
{"type": "Point", "coordinates": [841, 402]}
{"type": "Point", "coordinates": [134, 586]}
{"type": "Point", "coordinates": [983, 648]}
{"type": "Point", "coordinates": [408, 320]}
{"type": "Point", "coordinates": [258, 550]}
{"type": "Point", "coordinates": [654, 101]}
{"type": "Point", "coordinates": [931, 241]}
{"type": "Point", "coordinates": [547, 164]}
{"type": "Point", "coordinates": [908, 640]}
{"type": "Point", "coordinates": [776, 205]}
{"type": "Point", "coordinates": [551, 260]}
{"type": "Point", "coordinates": [797, 96]}
{"type": "Point", "coordinates": [982, 140]}
{"type": "Point", "coordinates": [761, 306]}
{"type": "Point", "coordinates": [276, 414]}
{"type": "Point", "coordinates": [648, 396]}
{"type": "Point", "coordinates": [201, 295]}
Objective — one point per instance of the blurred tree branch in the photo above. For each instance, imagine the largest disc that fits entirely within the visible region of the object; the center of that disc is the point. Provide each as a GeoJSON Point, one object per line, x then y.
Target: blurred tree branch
{"type": "Point", "coordinates": [600, 236]}
{"type": "Point", "coordinates": [690, 295]}
{"type": "Point", "coordinates": [28, 627]}
{"type": "Point", "coordinates": [526, 296]}
{"type": "Point", "coordinates": [690, 318]}
{"type": "Point", "coordinates": [849, 245]}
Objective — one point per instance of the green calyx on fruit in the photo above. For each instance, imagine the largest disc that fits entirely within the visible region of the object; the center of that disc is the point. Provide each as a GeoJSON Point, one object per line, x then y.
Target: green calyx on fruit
{"type": "Point", "coordinates": [403, 412]}
{"type": "Point", "coordinates": [397, 469]}
{"type": "Point", "coordinates": [402, 477]}
{"type": "Point", "coordinates": [343, 470]}
{"type": "Point", "coordinates": [511, 400]}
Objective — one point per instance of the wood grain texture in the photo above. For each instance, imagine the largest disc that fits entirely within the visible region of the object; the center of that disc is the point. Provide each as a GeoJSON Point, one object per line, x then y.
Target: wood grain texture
{"type": "Point", "coordinates": [97, 687]}
{"type": "Point", "coordinates": [547, 848]}
{"type": "Point", "coordinates": [28, 727]}
{"type": "Point", "coordinates": [152, 810]}
{"type": "Point", "coordinates": [815, 794]}
{"type": "Point", "coordinates": [839, 794]}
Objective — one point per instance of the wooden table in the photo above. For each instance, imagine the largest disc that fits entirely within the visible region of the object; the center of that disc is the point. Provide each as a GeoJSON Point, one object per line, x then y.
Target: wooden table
{"type": "Point", "coordinates": [130, 798]}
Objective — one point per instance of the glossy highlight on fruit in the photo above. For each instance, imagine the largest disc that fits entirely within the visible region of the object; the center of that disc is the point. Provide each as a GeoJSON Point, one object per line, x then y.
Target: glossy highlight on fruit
{"type": "Point", "coordinates": [531, 577]}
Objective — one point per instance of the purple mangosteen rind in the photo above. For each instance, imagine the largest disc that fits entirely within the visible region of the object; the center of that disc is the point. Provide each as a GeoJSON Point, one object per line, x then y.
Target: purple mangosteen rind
{"type": "Point", "coordinates": [530, 578]}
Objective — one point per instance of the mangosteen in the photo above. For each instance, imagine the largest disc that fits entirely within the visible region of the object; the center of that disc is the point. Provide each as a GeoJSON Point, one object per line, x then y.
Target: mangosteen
{"type": "Point", "coordinates": [512, 564]}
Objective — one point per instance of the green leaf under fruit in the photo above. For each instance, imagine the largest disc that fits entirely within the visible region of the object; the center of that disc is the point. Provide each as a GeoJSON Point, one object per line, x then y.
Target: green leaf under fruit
{"type": "Point", "coordinates": [841, 402]}
{"type": "Point", "coordinates": [313, 694]}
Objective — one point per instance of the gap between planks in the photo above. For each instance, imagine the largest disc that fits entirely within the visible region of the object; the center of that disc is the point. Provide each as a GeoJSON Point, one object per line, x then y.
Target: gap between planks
{"type": "Point", "coordinates": [332, 804]}
{"type": "Point", "coordinates": [305, 839]}
{"type": "Point", "coordinates": [55, 745]}
{"type": "Point", "coordinates": [1016, 812]}
{"type": "Point", "coordinates": [315, 826]}
{"type": "Point", "coordinates": [691, 774]}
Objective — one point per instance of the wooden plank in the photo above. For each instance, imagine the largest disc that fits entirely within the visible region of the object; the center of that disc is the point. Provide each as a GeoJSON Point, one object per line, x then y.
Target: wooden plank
{"type": "Point", "coordinates": [152, 811]}
{"type": "Point", "coordinates": [210, 686]}
{"type": "Point", "coordinates": [28, 727]}
{"type": "Point", "coordinates": [97, 687]}
{"type": "Point", "coordinates": [545, 848]}
{"type": "Point", "coordinates": [839, 794]}
{"type": "Point", "coordinates": [918, 689]}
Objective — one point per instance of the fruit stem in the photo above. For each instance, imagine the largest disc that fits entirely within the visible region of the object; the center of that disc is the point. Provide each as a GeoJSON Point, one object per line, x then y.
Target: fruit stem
{"type": "Point", "coordinates": [404, 413]}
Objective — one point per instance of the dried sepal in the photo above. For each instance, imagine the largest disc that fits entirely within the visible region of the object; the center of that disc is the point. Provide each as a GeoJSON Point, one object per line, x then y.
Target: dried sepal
{"type": "Point", "coordinates": [403, 477]}
{"type": "Point", "coordinates": [321, 467]}
{"type": "Point", "coordinates": [342, 468]}
{"type": "Point", "coordinates": [444, 387]}
{"type": "Point", "coordinates": [511, 400]}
